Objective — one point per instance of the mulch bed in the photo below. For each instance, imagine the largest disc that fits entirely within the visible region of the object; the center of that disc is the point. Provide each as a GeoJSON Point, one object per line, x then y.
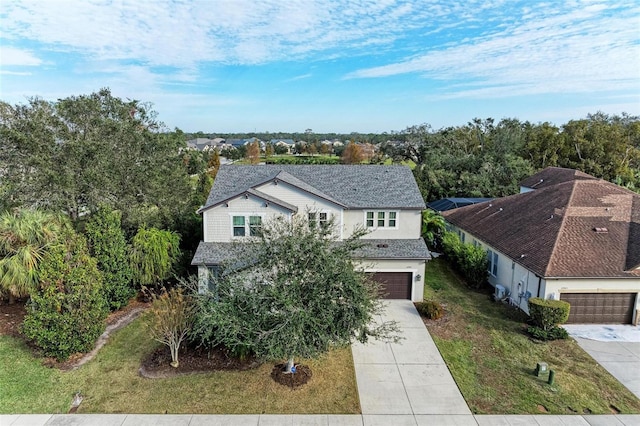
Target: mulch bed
{"type": "Point", "coordinates": [292, 380]}
{"type": "Point", "coordinates": [11, 317]}
{"type": "Point", "coordinates": [192, 360]}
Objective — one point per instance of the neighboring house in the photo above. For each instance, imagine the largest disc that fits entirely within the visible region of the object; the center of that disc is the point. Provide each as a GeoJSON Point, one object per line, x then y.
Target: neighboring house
{"type": "Point", "coordinates": [445, 204]}
{"type": "Point", "coordinates": [570, 237]}
{"type": "Point", "coordinates": [383, 199]}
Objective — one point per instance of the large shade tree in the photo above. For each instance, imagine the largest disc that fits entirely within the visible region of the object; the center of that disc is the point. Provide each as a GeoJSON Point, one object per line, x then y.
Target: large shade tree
{"type": "Point", "coordinates": [80, 152]}
{"type": "Point", "coordinates": [292, 292]}
{"type": "Point", "coordinates": [25, 236]}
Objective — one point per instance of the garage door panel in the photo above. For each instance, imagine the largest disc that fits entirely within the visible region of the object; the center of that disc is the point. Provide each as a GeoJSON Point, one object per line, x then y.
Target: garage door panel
{"type": "Point", "coordinates": [395, 285]}
{"type": "Point", "coordinates": [600, 308]}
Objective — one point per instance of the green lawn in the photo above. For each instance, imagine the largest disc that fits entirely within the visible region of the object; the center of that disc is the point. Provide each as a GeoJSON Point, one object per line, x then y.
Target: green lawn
{"type": "Point", "coordinates": [110, 384]}
{"type": "Point", "coordinates": [492, 360]}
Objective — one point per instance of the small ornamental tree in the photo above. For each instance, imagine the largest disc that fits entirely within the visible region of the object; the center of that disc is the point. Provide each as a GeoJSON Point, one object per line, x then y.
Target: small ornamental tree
{"type": "Point", "coordinates": [169, 320]}
{"type": "Point", "coordinates": [253, 153]}
{"type": "Point", "coordinates": [292, 293]}
{"type": "Point", "coordinates": [214, 164]}
{"type": "Point", "coordinates": [108, 245]}
{"type": "Point", "coordinates": [433, 227]}
{"type": "Point", "coordinates": [153, 256]}
{"type": "Point", "coordinates": [352, 154]}
{"type": "Point", "coordinates": [67, 313]}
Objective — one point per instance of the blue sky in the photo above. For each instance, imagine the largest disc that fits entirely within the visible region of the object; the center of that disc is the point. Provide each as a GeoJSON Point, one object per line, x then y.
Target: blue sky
{"type": "Point", "coordinates": [328, 65]}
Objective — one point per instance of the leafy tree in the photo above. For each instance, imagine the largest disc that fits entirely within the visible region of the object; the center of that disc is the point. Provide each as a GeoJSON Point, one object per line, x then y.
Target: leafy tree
{"type": "Point", "coordinates": [154, 255]}
{"type": "Point", "coordinates": [169, 320]}
{"type": "Point", "coordinates": [284, 308]}
{"type": "Point", "coordinates": [25, 236]}
{"type": "Point", "coordinates": [433, 227]}
{"type": "Point", "coordinates": [352, 154]}
{"type": "Point", "coordinates": [268, 151]}
{"type": "Point", "coordinates": [214, 164]}
{"type": "Point", "coordinates": [253, 153]}
{"type": "Point", "coordinates": [108, 245]}
{"type": "Point", "coordinates": [80, 152]}
{"type": "Point", "coordinates": [67, 313]}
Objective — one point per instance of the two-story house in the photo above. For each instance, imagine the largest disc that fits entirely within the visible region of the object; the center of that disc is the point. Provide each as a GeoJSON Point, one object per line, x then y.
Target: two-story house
{"type": "Point", "coordinates": [383, 199]}
{"type": "Point", "coordinates": [567, 236]}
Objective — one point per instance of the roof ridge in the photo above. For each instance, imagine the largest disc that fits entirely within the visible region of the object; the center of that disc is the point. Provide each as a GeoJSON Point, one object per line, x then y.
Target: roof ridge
{"type": "Point", "coordinates": [560, 229]}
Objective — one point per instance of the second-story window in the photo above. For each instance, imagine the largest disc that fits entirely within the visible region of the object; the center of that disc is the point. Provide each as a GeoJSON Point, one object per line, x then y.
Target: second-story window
{"type": "Point", "coordinates": [381, 219]}
{"type": "Point", "coordinates": [246, 225]}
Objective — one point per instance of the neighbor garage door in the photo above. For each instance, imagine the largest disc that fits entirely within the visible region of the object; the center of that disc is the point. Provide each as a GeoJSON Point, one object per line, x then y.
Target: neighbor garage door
{"type": "Point", "coordinates": [600, 308]}
{"type": "Point", "coordinates": [395, 285]}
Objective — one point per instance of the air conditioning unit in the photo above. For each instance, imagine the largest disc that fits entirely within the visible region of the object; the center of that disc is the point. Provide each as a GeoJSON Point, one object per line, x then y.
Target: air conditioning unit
{"type": "Point", "coordinates": [500, 292]}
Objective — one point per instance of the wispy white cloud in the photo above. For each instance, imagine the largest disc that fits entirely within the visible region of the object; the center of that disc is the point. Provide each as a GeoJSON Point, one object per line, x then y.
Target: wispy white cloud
{"type": "Point", "coordinates": [301, 77]}
{"type": "Point", "coordinates": [583, 48]}
{"type": "Point", "coordinates": [10, 56]}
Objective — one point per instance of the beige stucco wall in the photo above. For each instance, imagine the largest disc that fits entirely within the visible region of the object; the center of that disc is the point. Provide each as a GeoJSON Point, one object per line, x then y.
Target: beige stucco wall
{"type": "Point", "coordinates": [409, 224]}
{"type": "Point", "coordinates": [416, 267]}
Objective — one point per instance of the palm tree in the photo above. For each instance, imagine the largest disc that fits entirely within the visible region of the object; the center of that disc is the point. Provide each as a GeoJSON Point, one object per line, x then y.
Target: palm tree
{"type": "Point", "coordinates": [24, 237]}
{"type": "Point", "coordinates": [433, 227]}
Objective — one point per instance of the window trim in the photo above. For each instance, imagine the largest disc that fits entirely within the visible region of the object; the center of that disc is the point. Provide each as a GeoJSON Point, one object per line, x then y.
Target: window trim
{"type": "Point", "coordinates": [492, 267]}
{"type": "Point", "coordinates": [315, 219]}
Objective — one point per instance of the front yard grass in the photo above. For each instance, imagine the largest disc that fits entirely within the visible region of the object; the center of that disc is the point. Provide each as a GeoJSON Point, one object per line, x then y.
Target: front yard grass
{"type": "Point", "coordinates": [110, 384]}
{"type": "Point", "coordinates": [492, 360]}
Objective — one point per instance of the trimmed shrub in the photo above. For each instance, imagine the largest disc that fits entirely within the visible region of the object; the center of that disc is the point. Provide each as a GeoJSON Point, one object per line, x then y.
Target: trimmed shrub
{"type": "Point", "coordinates": [108, 245]}
{"type": "Point", "coordinates": [67, 314]}
{"type": "Point", "coordinates": [430, 309]}
{"type": "Point", "coordinates": [467, 259]}
{"type": "Point", "coordinates": [554, 333]}
{"type": "Point", "coordinates": [546, 313]}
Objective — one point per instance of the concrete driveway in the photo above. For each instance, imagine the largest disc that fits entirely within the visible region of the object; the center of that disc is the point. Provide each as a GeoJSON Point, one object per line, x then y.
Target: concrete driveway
{"type": "Point", "coordinates": [615, 347]}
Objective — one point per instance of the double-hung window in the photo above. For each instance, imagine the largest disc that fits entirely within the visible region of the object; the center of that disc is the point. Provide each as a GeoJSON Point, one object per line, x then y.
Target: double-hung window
{"type": "Point", "coordinates": [246, 225]}
{"type": "Point", "coordinates": [381, 219]}
{"type": "Point", "coordinates": [492, 267]}
{"type": "Point", "coordinates": [318, 218]}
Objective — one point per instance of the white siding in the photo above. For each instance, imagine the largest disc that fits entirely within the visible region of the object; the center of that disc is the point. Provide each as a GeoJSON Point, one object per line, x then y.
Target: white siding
{"type": "Point", "coordinates": [416, 267]}
{"type": "Point", "coordinates": [217, 221]}
{"type": "Point", "coordinates": [408, 226]}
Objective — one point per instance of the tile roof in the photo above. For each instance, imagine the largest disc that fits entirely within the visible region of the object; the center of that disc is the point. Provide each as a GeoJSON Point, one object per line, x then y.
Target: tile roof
{"type": "Point", "coordinates": [352, 186]}
{"type": "Point", "coordinates": [553, 176]}
{"type": "Point", "coordinates": [552, 231]}
{"type": "Point", "coordinates": [214, 253]}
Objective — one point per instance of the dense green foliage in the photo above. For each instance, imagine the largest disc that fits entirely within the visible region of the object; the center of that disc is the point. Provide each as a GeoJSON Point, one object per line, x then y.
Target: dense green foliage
{"type": "Point", "coordinates": [433, 228]}
{"type": "Point", "coordinates": [430, 309]}
{"type": "Point", "coordinates": [484, 159]}
{"type": "Point", "coordinates": [552, 333]}
{"type": "Point", "coordinates": [83, 151]}
{"type": "Point", "coordinates": [25, 235]}
{"type": "Point", "coordinates": [471, 261]}
{"type": "Point", "coordinates": [67, 313]}
{"type": "Point", "coordinates": [304, 159]}
{"type": "Point", "coordinates": [154, 255]}
{"type": "Point", "coordinates": [108, 245]}
{"type": "Point", "coordinates": [281, 308]}
{"type": "Point", "coordinates": [547, 313]}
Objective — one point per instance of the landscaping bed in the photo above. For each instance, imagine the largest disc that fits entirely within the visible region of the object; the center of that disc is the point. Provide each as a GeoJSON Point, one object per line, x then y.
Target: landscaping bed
{"type": "Point", "coordinates": [111, 382]}
{"type": "Point", "coordinates": [492, 359]}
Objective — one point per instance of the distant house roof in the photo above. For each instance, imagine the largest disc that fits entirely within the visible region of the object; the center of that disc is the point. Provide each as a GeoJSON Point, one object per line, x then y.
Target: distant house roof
{"type": "Point", "coordinates": [445, 204]}
{"type": "Point", "coordinates": [584, 227]}
{"type": "Point", "coordinates": [350, 186]}
{"type": "Point", "coordinates": [553, 176]}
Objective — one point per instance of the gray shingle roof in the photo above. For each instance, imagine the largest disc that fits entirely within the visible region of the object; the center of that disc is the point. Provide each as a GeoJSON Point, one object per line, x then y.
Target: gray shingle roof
{"type": "Point", "coordinates": [212, 253]}
{"type": "Point", "coordinates": [352, 186]}
{"type": "Point", "coordinates": [393, 249]}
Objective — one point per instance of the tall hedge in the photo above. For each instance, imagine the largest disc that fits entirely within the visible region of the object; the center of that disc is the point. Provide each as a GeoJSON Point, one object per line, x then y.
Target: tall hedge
{"type": "Point", "coordinates": [469, 260]}
{"type": "Point", "coordinates": [67, 314]}
{"type": "Point", "coordinates": [547, 314]}
{"type": "Point", "coordinates": [108, 245]}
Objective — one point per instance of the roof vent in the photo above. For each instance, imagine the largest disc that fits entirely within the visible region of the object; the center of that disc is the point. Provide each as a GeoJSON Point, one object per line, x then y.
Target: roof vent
{"type": "Point", "coordinates": [382, 245]}
{"type": "Point", "coordinates": [601, 230]}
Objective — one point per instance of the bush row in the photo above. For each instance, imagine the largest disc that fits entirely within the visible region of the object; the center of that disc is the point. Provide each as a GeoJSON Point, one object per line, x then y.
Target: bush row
{"type": "Point", "coordinates": [469, 260]}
